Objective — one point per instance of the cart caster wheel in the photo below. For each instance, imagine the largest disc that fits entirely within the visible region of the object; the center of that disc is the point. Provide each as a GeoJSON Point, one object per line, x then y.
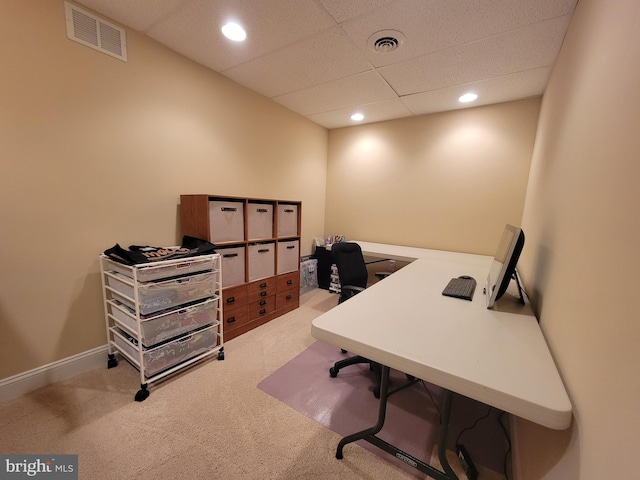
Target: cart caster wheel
{"type": "Point", "coordinates": [376, 392]}
{"type": "Point", "coordinates": [112, 362]}
{"type": "Point", "coordinates": [333, 371]}
{"type": "Point", "coordinates": [142, 394]}
{"type": "Point", "coordinates": [220, 355]}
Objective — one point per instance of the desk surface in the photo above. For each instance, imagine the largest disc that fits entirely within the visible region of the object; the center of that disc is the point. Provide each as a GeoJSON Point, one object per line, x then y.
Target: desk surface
{"type": "Point", "coordinates": [496, 356]}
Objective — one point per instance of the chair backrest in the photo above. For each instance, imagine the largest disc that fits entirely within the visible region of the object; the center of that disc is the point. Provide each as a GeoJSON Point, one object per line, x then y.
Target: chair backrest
{"type": "Point", "coordinates": [352, 269]}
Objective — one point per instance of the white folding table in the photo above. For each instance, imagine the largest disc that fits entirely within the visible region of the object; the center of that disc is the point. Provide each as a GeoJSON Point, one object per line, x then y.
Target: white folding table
{"type": "Point", "coordinates": [496, 356]}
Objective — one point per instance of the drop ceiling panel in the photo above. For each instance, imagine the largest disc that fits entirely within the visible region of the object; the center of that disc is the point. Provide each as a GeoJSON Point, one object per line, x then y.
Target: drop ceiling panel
{"type": "Point", "coordinates": [495, 90]}
{"type": "Point", "coordinates": [354, 90]}
{"type": "Point", "coordinates": [373, 112]}
{"type": "Point", "coordinates": [270, 24]}
{"type": "Point", "coordinates": [316, 60]}
{"type": "Point", "coordinates": [313, 56]}
{"type": "Point", "coordinates": [519, 50]}
{"type": "Point", "coordinates": [342, 10]}
{"type": "Point", "coordinates": [438, 24]}
{"type": "Point", "coordinates": [138, 15]}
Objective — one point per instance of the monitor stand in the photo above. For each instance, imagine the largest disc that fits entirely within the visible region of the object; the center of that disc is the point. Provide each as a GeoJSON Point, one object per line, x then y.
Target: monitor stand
{"type": "Point", "coordinates": [516, 277]}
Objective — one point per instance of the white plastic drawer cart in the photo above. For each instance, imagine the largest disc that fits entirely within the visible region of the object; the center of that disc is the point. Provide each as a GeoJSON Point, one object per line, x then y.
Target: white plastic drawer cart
{"type": "Point", "coordinates": [163, 316]}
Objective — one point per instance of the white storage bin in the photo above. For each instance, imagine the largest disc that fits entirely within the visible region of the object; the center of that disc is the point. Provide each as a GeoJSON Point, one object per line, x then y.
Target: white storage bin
{"type": "Point", "coordinates": [166, 355]}
{"type": "Point", "coordinates": [259, 221]}
{"type": "Point", "coordinates": [233, 263]}
{"type": "Point", "coordinates": [226, 221]}
{"type": "Point", "coordinates": [166, 325]}
{"type": "Point", "coordinates": [261, 261]}
{"type": "Point", "coordinates": [162, 295]}
{"type": "Point", "coordinates": [165, 268]}
{"type": "Point", "coordinates": [288, 256]}
{"type": "Point", "coordinates": [287, 220]}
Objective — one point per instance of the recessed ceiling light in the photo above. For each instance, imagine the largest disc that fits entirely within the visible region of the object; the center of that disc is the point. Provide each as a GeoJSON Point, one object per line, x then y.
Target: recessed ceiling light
{"type": "Point", "coordinates": [234, 32]}
{"type": "Point", "coordinates": [357, 117]}
{"type": "Point", "coordinates": [467, 97]}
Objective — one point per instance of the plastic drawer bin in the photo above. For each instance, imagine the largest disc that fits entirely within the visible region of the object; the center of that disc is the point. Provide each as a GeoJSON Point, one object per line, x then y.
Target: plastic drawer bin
{"type": "Point", "coordinates": [148, 273]}
{"type": "Point", "coordinates": [166, 325]}
{"type": "Point", "coordinates": [166, 355]}
{"type": "Point", "coordinates": [162, 295]}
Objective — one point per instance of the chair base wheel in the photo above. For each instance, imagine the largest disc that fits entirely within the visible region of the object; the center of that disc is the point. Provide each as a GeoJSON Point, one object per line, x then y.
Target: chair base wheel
{"type": "Point", "coordinates": [333, 371]}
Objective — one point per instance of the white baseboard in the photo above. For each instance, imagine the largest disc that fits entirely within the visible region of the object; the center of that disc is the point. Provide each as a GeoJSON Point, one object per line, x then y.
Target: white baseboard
{"type": "Point", "coordinates": [13, 387]}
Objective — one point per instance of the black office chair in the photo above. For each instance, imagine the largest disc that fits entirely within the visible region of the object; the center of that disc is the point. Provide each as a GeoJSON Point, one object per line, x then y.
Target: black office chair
{"type": "Point", "coordinates": [353, 275]}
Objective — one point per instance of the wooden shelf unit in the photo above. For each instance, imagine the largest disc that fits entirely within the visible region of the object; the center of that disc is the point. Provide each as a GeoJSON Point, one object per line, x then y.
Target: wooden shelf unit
{"type": "Point", "coordinates": [259, 242]}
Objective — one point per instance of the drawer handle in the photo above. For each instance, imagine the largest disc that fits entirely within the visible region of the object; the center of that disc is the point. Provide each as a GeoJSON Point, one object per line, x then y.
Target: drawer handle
{"type": "Point", "coordinates": [263, 311]}
{"type": "Point", "coordinates": [288, 297]}
{"type": "Point", "coordinates": [288, 210]}
{"type": "Point", "coordinates": [231, 319]}
{"type": "Point", "coordinates": [263, 294]}
{"type": "Point", "coordinates": [263, 302]}
{"type": "Point", "coordinates": [229, 209]}
{"type": "Point", "coordinates": [291, 247]}
{"type": "Point", "coordinates": [262, 210]}
{"type": "Point", "coordinates": [229, 255]}
{"type": "Point", "coordinates": [231, 299]}
{"type": "Point", "coordinates": [263, 250]}
{"type": "Point", "coordinates": [263, 285]}
{"type": "Point", "coordinates": [289, 282]}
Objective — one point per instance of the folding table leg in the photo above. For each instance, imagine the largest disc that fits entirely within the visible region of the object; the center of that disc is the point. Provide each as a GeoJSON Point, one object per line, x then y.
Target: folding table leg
{"type": "Point", "coordinates": [369, 435]}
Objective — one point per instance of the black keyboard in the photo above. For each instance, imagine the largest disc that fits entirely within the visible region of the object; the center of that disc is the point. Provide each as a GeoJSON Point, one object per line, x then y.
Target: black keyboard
{"type": "Point", "coordinates": [461, 287]}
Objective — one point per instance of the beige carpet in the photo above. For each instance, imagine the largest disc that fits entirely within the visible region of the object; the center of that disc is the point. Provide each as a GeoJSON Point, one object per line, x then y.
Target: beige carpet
{"type": "Point", "coordinates": [209, 422]}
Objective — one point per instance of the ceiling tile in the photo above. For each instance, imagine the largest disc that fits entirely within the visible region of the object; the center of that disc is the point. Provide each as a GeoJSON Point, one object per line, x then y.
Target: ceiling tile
{"type": "Point", "coordinates": [519, 50]}
{"type": "Point", "coordinates": [319, 59]}
{"type": "Point", "coordinates": [374, 112]}
{"type": "Point", "coordinates": [341, 10]}
{"type": "Point", "coordinates": [494, 90]}
{"type": "Point", "coordinates": [344, 92]}
{"type": "Point", "coordinates": [138, 15]}
{"type": "Point", "coordinates": [195, 32]}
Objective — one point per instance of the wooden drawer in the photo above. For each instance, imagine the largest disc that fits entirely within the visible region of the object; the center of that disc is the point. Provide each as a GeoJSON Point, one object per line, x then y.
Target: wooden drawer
{"type": "Point", "coordinates": [261, 285]}
{"type": "Point", "coordinates": [288, 281]}
{"type": "Point", "coordinates": [234, 296]}
{"type": "Point", "coordinates": [288, 298]}
{"type": "Point", "coordinates": [235, 317]}
{"type": "Point", "coordinates": [262, 307]}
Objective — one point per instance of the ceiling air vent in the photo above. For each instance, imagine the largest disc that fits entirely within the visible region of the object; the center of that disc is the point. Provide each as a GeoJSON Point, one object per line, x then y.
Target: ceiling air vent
{"type": "Point", "coordinates": [386, 41]}
{"type": "Point", "coordinates": [92, 31]}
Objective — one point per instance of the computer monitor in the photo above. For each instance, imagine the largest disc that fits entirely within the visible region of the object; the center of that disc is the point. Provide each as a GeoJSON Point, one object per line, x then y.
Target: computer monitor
{"type": "Point", "coordinates": [504, 264]}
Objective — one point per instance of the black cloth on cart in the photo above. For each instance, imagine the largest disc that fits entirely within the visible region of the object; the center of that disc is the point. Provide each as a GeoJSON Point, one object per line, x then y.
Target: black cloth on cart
{"type": "Point", "coordinates": [136, 254]}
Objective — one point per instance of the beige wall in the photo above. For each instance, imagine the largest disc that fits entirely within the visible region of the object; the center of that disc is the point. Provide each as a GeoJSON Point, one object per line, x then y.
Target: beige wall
{"type": "Point", "coordinates": [447, 181]}
{"type": "Point", "coordinates": [96, 151]}
{"type": "Point", "coordinates": [581, 260]}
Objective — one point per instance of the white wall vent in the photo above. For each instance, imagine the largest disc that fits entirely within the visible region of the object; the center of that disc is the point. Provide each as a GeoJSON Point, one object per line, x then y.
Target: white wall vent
{"type": "Point", "coordinates": [87, 29]}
